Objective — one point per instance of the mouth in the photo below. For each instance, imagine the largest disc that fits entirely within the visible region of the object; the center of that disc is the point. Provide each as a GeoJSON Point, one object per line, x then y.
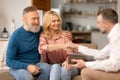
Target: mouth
{"type": "Point", "coordinates": [35, 24]}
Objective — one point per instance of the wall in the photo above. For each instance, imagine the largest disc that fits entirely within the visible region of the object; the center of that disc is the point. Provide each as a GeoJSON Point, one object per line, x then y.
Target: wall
{"type": "Point", "coordinates": [100, 39]}
{"type": "Point", "coordinates": [11, 9]}
{"type": "Point", "coordinates": [118, 9]}
{"type": "Point", "coordinates": [56, 3]}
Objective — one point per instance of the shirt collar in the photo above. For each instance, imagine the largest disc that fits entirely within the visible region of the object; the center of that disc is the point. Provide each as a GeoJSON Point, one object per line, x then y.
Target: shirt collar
{"type": "Point", "coordinates": [113, 31]}
{"type": "Point", "coordinates": [57, 37]}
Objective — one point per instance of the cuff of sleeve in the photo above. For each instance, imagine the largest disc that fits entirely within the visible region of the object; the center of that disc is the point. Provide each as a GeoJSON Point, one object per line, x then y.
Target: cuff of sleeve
{"type": "Point", "coordinates": [90, 64]}
{"type": "Point", "coordinates": [25, 66]}
{"type": "Point", "coordinates": [81, 48]}
{"type": "Point", "coordinates": [46, 47]}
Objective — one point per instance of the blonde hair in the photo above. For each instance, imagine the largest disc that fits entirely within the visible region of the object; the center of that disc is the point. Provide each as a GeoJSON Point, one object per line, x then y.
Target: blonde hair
{"type": "Point", "coordinates": [47, 21]}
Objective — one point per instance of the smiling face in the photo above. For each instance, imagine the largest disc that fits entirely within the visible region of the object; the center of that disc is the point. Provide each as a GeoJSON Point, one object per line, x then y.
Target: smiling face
{"type": "Point", "coordinates": [31, 20]}
{"type": "Point", "coordinates": [55, 24]}
{"type": "Point", "coordinates": [51, 24]}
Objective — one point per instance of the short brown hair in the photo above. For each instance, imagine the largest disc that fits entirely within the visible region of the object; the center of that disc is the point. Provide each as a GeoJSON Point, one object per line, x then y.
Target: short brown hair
{"type": "Point", "coordinates": [109, 14]}
{"type": "Point", "coordinates": [29, 9]}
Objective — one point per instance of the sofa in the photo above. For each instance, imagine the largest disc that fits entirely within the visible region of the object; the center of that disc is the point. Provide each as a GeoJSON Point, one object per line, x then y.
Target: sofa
{"type": "Point", "coordinates": [4, 74]}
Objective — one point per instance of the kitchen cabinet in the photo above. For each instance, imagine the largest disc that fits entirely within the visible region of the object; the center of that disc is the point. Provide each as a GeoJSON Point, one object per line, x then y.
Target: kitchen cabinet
{"type": "Point", "coordinates": [90, 37]}
{"type": "Point", "coordinates": [81, 37]}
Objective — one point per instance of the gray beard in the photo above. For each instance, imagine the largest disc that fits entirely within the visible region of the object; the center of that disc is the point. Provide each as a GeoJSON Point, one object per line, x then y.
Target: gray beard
{"type": "Point", "coordinates": [33, 29]}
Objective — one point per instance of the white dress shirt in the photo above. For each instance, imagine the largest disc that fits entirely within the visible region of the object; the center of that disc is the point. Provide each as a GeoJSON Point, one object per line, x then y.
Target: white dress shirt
{"type": "Point", "coordinates": [107, 59]}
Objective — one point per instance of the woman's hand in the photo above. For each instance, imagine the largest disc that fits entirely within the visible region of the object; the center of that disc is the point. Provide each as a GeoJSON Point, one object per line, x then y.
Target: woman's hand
{"type": "Point", "coordinates": [66, 65]}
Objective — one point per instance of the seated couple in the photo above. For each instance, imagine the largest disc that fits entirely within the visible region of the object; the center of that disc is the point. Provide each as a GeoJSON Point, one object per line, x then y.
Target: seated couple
{"type": "Point", "coordinates": [29, 41]}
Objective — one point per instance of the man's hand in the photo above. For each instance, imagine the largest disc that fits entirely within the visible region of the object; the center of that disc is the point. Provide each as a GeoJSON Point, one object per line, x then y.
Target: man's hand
{"type": "Point", "coordinates": [71, 47]}
{"type": "Point", "coordinates": [79, 63]}
{"type": "Point", "coordinates": [33, 69]}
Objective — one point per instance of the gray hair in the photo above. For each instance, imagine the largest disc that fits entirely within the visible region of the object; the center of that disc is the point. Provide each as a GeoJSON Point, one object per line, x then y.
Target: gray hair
{"type": "Point", "coordinates": [29, 9]}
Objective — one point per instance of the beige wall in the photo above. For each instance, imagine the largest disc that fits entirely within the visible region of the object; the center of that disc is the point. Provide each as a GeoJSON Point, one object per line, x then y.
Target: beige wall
{"type": "Point", "coordinates": [10, 9]}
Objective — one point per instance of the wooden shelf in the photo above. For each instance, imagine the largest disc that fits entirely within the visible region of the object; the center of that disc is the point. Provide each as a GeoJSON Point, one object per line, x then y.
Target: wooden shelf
{"type": "Point", "coordinates": [81, 37]}
{"type": "Point", "coordinates": [98, 2]}
{"type": "Point", "coordinates": [4, 39]}
{"type": "Point", "coordinates": [79, 15]}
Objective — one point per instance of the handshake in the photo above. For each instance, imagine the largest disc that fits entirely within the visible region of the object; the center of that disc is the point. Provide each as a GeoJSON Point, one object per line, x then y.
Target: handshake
{"type": "Point", "coordinates": [66, 46]}
{"type": "Point", "coordinates": [71, 47]}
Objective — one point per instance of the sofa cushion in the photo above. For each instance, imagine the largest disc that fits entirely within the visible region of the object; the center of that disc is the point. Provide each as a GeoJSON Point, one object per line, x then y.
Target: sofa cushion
{"type": "Point", "coordinates": [6, 76]}
{"type": "Point", "coordinates": [76, 77]}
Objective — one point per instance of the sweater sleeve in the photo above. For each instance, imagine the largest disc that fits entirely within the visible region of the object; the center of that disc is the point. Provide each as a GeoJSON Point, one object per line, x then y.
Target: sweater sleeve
{"type": "Point", "coordinates": [11, 56]}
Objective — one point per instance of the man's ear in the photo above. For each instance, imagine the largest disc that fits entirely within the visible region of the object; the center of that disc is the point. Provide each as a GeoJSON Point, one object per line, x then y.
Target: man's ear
{"type": "Point", "coordinates": [107, 23]}
{"type": "Point", "coordinates": [23, 19]}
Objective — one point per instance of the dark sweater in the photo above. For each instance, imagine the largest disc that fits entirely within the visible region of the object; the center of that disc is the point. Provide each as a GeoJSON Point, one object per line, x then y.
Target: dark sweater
{"type": "Point", "coordinates": [22, 49]}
